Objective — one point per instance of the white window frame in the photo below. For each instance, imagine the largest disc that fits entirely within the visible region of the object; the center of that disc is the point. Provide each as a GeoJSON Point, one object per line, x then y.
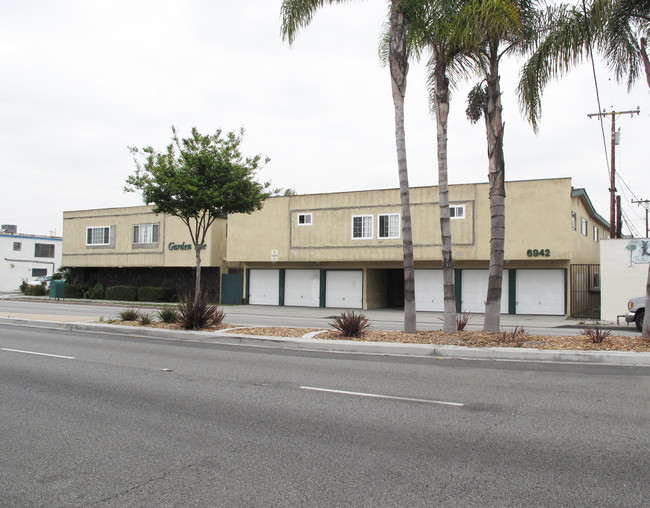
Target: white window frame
{"type": "Point", "coordinates": [456, 209]}
{"type": "Point", "coordinates": [390, 225]}
{"type": "Point", "coordinates": [150, 236]}
{"type": "Point", "coordinates": [308, 219]}
{"type": "Point", "coordinates": [92, 236]}
{"type": "Point", "coordinates": [595, 233]}
{"type": "Point", "coordinates": [584, 227]}
{"type": "Point", "coordinates": [18, 246]}
{"type": "Point", "coordinates": [366, 222]}
{"type": "Point", "coordinates": [574, 221]}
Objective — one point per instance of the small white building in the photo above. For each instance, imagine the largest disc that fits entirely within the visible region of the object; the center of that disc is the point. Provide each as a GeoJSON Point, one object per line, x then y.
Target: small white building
{"type": "Point", "coordinates": [624, 273]}
{"type": "Point", "coordinates": [24, 256]}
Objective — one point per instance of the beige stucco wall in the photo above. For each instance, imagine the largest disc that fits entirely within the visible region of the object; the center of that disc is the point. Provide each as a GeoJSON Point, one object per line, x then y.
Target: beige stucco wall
{"type": "Point", "coordinates": [123, 253]}
{"type": "Point", "coordinates": [622, 276]}
{"type": "Point", "coordinates": [538, 216]}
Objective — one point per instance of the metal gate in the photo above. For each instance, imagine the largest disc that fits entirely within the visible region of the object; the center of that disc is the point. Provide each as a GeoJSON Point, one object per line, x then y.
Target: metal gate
{"type": "Point", "coordinates": [585, 291]}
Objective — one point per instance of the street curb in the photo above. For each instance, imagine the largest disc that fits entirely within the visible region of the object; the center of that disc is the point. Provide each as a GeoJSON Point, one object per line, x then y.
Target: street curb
{"type": "Point", "coordinates": [622, 358]}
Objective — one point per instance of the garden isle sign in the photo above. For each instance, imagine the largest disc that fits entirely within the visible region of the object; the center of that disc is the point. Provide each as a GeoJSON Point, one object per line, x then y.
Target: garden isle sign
{"type": "Point", "coordinates": [639, 251]}
{"type": "Point", "coordinates": [184, 246]}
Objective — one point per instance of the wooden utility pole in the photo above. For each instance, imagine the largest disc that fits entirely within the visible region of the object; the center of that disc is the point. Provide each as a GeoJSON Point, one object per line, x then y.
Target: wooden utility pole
{"type": "Point", "coordinates": [612, 171]}
{"type": "Point", "coordinates": [644, 202]}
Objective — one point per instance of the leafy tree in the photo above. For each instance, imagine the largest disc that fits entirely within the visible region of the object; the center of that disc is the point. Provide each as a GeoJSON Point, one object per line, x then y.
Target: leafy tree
{"type": "Point", "coordinates": [490, 30]}
{"type": "Point", "coordinates": [199, 179]}
{"type": "Point", "coordinates": [299, 13]}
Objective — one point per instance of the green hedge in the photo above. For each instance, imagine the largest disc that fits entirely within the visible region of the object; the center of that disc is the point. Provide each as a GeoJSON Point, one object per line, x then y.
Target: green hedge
{"type": "Point", "coordinates": [125, 293]}
{"type": "Point", "coordinates": [155, 294]}
{"type": "Point", "coordinates": [74, 290]}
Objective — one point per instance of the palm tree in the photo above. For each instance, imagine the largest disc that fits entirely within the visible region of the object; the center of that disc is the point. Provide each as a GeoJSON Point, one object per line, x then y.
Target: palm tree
{"type": "Point", "coordinates": [494, 29]}
{"type": "Point", "coordinates": [618, 29]}
{"type": "Point", "coordinates": [430, 26]}
{"type": "Point", "coordinates": [297, 14]}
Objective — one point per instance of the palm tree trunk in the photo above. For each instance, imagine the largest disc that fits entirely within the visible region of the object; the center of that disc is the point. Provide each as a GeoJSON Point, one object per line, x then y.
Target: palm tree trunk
{"type": "Point", "coordinates": [398, 60]}
{"type": "Point", "coordinates": [495, 127]}
{"type": "Point", "coordinates": [442, 115]}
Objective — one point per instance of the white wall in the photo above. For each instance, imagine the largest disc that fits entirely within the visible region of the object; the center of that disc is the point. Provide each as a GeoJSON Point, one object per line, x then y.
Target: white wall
{"type": "Point", "coordinates": [623, 274]}
{"type": "Point", "coordinates": [15, 266]}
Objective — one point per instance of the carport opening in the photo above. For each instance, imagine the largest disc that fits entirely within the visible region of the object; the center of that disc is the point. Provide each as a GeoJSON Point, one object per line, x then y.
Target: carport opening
{"type": "Point", "coordinates": [395, 288]}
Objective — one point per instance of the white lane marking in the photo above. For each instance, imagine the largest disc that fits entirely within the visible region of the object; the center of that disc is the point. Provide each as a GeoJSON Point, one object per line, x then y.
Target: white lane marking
{"type": "Point", "coordinates": [38, 354]}
{"type": "Point", "coordinates": [377, 396]}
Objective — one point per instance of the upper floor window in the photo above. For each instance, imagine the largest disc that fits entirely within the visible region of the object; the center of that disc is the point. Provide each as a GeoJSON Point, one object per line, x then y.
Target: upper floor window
{"type": "Point", "coordinates": [146, 233]}
{"type": "Point", "coordinates": [304, 219]}
{"type": "Point", "coordinates": [18, 246]}
{"type": "Point", "coordinates": [574, 221]}
{"type": "Point", "coordinates": [595, 233]}
{"type": "Point", "coordinates": [389, 225]}
{"type": "Point", "coordinates": [457, 211]}
{"type": "Point", "coordinates": [44, 250]}
{"type": "Point", "coordinates": [583, 226]}
{"type": "Point", "coordinates": [362, 226]}
{"type": "Point", "coordinates": [99, 235]}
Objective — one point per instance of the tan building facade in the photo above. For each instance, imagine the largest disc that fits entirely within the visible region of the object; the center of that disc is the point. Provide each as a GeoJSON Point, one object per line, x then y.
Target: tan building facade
{"type": "Point", "coordinates": [134, 246]}
{"type": "Point", "coordinates": [344, 250]}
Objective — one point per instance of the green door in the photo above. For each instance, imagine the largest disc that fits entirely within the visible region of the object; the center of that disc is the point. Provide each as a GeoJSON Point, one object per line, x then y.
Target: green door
{"type": "Point", "coordinates": [232, 288]}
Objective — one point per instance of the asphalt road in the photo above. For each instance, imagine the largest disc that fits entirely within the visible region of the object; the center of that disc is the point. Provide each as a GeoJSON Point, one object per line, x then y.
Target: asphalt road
{"type": "Point", "coordinates": [109, 420]}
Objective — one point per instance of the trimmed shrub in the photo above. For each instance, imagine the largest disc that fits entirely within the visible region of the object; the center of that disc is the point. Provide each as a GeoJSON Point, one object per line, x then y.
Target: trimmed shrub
{"type": "Point", "coordinates": [199, 313]}
{"type": "Point", "coordinates": [38, 290]}
{"type": "Point", "coordinates": [74, 290]}
{"type": "Point", "coordinates": [155, 294]}
{"type": "Point", "coordinates": [124, 293]}
{"type": "Point", "coordinates": [95, 293]}
{"type": "Point", "coordinates": [167, 315]}
{"type": "Point", "coordinates": [350, 324]}
{"type": "Point", "coordinates": [129, 314]}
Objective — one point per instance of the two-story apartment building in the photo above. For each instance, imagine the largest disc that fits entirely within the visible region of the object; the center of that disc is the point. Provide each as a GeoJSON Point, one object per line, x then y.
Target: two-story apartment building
{"type": "Point", "coordinates": [24, 256]}
{"type": "Point", "coordinates": [344, 250]}
{"type": "Point", "coordinates": [134, 246]}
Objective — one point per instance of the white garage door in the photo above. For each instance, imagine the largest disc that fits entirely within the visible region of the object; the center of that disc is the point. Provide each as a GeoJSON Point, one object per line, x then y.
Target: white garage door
{"type": "Point", "coordinates": [344, 289]}
{"type": "Point", "coordinates": [264, 287]}
{"type": "Point", "coordinates": [540, 292]}
{"type": "Point", "coordinates": [474, 284]}
{"type": "Point", "coordinates": [429, 293]}
{"type": "Point", "coordinates": [302, 288]}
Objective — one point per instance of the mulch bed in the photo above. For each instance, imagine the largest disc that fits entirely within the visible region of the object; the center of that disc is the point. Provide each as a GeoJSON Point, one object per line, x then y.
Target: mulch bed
{"type": "Point", "coordinates": [464, 338]}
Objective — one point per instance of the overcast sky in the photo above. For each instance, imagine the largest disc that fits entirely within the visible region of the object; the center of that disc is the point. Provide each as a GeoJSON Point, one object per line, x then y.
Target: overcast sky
{"type": "Point", "coordinates": [84, 80]}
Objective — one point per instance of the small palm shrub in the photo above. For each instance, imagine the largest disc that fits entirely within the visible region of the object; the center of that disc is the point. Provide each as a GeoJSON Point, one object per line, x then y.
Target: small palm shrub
{"type": "Point", "coordinates": [145, 319]}
{"type": "Point", "coordinates": [350, 324]}
{"type": "Point", "coordinates": [129, 314]}
{"type": "Point", "coordinates": [516, 337]}
{"type": "Point", "coordinates": [596, 335]}
{"type": "Point", "coordinates": [167, 315]}
{"type": "Point", "coordinates": [196, 314]}
{"type": "Point", "coordinates": [461, 321]}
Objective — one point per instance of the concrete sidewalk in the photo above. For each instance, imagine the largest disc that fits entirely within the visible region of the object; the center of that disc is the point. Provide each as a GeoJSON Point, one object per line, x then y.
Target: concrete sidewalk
{"type": "Point", "coordinates": [311, 343]}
